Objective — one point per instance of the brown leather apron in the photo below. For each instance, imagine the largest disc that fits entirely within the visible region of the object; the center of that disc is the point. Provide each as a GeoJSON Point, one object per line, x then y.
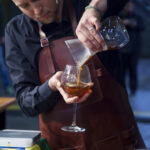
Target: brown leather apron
{"type": "Point", "coordinates": [106, 115]}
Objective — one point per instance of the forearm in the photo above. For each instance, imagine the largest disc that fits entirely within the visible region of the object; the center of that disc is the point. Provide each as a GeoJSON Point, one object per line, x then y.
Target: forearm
{"type": "Point", "coordinates": [101, 4]}
{"type": "Point", "coordinates": [111, 7]}
{"type": "Point", "coordinates": [34, 100]}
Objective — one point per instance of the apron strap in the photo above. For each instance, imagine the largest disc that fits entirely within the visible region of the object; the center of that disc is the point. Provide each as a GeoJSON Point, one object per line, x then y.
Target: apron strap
{"type": "Point", "coordinates": [46, 47]}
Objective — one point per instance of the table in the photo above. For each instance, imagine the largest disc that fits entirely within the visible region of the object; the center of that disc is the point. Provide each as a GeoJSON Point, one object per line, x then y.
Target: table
{"type": "Point", "coordinates": [5, 102]}
{"type": "Point", "coordinates": [40, 145]}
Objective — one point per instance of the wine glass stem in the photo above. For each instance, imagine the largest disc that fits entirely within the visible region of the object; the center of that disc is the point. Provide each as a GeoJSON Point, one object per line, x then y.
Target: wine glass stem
{"type": "Point", "coordinates": [74, 115]}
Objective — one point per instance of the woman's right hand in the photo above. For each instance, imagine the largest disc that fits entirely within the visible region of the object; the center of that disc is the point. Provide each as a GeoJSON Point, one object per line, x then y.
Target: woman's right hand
{"type": "Point", "coordinates": [55, 85]}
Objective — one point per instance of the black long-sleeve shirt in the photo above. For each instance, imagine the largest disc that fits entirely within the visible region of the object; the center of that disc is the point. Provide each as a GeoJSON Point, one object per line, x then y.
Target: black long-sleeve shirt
{"type": "Point", "coordinates": [22, 51]}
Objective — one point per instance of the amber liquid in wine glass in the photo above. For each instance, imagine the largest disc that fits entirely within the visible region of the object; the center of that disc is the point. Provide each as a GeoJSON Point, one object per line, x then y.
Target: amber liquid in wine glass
{"type": "Point", "coordinates": [76, 90]}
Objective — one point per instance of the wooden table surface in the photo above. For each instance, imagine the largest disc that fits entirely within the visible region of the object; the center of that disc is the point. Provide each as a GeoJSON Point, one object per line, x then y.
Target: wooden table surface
{"type": "Point", "coordinates": [5, 102]}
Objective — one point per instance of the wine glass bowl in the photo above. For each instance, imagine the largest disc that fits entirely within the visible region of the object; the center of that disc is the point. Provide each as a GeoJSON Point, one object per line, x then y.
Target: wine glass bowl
{"type": "Point", "coordinates": [74, 90]}
{"type": "Point", "coordinates": [73, 84]}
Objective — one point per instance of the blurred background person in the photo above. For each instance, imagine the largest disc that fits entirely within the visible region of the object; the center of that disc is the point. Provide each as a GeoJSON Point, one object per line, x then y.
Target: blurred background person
{"type": "Point", "coordinates": [4, 75]}
{"type": "Point", "coordinates": [130, 53]}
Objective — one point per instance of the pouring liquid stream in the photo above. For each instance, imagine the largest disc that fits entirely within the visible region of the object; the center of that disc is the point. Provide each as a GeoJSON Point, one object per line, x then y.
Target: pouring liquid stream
{"type": "Point", "coordinates": [111, 47]}
{"type": "Point", "coordinates": [79, 83]}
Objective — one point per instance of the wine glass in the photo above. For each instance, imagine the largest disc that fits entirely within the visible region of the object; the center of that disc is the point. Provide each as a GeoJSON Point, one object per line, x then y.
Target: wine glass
{"type": "Point", "coordinates": [76, 81]}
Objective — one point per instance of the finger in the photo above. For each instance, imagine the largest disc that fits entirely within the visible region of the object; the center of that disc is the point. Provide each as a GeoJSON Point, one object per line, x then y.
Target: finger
{"type": "Point", "coordinates": [84, 97]}
{"type": "Point", "coordinates": [88, 43]}
{"type": "Point", "coordinates": [91, 28]}
{"type": "Point", "coordinates": [91, 84]}
{"type": "Point", "coordinates": [88, 31]}
{"type": "Point", "coordinates": [91, 44]}
{"type": "Point", "coordinates": [54, 81]}
{"type": "Point", "coordinates": [71, 100]}
{"type": "Point", "coordinates": [85, 31]}
{"type": "Point", "coordinates": [97, 35]}
{"type": "Point", "coordinates": [58, 75]}
{"type": "Point", "coordinates": [99, 40]}
{"type": "Point", "coordinates": [97, 26]}
{"type": "Point", "coordinates": [67, 98]}
{"type": "Point", "coordinates": [62, 92]}
{"type": "Point", "coordinates": [58, 80]}
{"type": "Point", "coordinates": [96, 23]}
{"type": "Point", "coordinates": [88, 38]}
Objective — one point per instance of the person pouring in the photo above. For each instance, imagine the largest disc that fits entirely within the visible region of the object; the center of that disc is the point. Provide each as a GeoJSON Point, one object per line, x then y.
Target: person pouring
{"type": "Point", "coordinates": [104, 110]}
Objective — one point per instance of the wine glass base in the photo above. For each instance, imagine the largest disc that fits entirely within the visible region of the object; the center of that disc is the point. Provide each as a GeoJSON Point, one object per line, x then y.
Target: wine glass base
{"type": "Point", "coordinates": [73, 129]}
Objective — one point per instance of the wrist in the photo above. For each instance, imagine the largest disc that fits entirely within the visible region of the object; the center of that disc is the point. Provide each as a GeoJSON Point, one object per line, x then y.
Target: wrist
{"type": "Point", "coordinates": [52, 85]}
{"type": "Point", "coordinates": [100, 4]}
{"type": "Point", "coordinates": [95, 8]}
